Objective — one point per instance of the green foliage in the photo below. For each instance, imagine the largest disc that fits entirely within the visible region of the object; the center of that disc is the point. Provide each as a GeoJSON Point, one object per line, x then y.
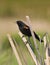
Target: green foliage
{"type": "Point", "coordinates": [5, 44]}
{"type": "Point", "coordinates": [7, 56]}
{"type": "Point", "coordinates": [23, 50]}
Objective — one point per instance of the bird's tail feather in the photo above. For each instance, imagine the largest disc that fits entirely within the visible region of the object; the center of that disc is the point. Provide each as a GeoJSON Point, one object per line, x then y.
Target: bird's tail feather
{"type": "Point", "coordinates": [37, 37]}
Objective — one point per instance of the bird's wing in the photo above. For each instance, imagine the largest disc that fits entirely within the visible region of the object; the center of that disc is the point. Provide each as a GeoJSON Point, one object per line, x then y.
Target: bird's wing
{"type": "Point", "coordinates": [26, 27]}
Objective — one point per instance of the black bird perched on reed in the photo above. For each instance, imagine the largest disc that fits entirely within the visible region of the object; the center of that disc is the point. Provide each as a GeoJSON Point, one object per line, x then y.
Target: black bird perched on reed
{"type": "Point", "coordinates": [26, 30]}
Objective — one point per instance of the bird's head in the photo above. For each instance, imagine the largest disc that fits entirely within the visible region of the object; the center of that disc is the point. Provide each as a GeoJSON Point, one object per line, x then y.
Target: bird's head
{"type": "Point", "coordinates": [19, 23]}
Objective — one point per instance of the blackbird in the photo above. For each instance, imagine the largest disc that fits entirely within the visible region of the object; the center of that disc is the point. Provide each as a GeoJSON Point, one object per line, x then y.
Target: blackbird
{"type": "Point", "coordinates": [26, 30]}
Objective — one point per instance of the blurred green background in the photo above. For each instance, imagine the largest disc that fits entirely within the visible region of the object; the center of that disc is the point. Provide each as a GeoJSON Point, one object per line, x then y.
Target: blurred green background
{"type": "Point", "coordinates": [20, 8]}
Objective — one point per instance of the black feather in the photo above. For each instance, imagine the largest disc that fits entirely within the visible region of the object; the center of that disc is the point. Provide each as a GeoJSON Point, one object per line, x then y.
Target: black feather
{"type": "Point", "coordinates": [26, 30]}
